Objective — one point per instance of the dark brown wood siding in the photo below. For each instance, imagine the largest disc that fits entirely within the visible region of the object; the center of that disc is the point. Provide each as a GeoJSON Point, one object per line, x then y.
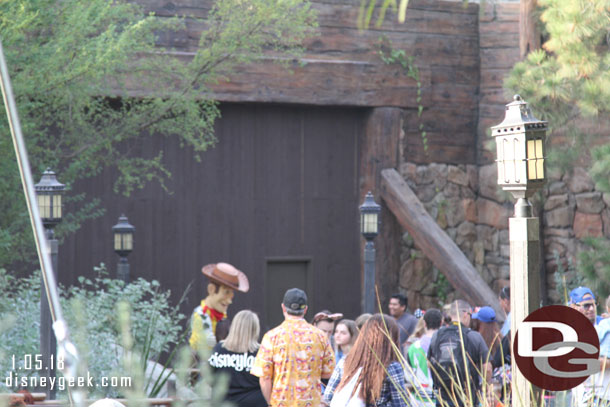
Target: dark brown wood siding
{"type": "Point", "coordinates": [343, 68]}
{"type": "Point", "coordinates": [281, 183]}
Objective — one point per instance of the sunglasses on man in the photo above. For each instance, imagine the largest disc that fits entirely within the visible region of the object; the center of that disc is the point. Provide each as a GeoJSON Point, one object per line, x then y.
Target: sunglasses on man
{"type": "Point", "coordinates": [587, 306]}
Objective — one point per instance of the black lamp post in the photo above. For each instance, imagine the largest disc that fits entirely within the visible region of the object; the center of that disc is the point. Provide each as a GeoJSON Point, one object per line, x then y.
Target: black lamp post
{"type": "Point", "coordinates": [123, 245]}
{"type": "Point", "coordinates": [369, 227]}
{"type": "Point", "coordinates": [48, 196]}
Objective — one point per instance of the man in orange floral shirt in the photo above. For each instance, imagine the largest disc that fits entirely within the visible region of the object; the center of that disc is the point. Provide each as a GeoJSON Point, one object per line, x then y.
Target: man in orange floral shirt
{"type": "Point", "coordinates": [293, 357]}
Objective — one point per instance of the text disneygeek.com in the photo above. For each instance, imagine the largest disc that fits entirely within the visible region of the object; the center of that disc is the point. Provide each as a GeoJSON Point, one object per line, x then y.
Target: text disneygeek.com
{"type": "Point", "coordinates": [33, 363]}
{"type": "Point", "coordinates": [61, 383]}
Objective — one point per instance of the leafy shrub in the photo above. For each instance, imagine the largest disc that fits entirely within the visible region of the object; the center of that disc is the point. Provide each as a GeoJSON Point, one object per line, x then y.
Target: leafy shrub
{"type": "Point", "coordinates": [90, 312]}
{"type": "Point", "coordinates": [19, 303]}
{"type": "Point", "coordinates": [594, 264]}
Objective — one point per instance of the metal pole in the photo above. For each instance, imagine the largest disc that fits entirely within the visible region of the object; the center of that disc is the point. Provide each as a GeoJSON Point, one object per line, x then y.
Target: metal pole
{"type": "Point", "coordinates": [122, 271]}
{"type": "Point", "coordinates": [524, 288]}
{"type": "Point", "coordinates": [66, 349]}
{"type": "Point", "coordinates": [369, 277]}
{"type": "Point", "coordinates": [48, 342]}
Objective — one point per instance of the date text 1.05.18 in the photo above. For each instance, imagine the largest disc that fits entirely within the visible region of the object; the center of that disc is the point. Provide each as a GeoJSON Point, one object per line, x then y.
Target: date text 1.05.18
{"type": "Point", "coordinates": [35, 362]}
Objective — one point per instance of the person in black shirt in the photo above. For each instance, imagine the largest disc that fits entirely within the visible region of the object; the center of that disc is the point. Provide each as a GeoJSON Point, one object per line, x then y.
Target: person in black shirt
{"type": "Point", "coordinates": [235, 355]}
{"type": "Point", "coordinates": [451, 367]}
{"type": "Point", "coordinates": [406, 321]}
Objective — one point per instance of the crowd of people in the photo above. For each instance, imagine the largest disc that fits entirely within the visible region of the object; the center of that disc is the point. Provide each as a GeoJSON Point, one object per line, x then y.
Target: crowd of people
{"type": "Point", "coordinates": [450, 357]}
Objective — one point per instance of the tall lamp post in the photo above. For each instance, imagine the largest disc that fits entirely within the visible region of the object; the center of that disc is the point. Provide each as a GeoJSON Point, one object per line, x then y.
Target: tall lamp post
{"type": "Point", "coordinates": [48, 196]}
{"type": "Point", "coordinates": [123, 245]}
{"type": "Point", "coordinates": [369, 227]}
{"type": "Point", "coordinates": [520, 142]}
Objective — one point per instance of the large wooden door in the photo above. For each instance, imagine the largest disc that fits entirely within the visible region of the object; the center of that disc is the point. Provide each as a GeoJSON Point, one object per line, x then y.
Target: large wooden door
{"type": "Point", "coordinates": [281, 183]}
{"type": "Point", "coordinates": [280, 275]}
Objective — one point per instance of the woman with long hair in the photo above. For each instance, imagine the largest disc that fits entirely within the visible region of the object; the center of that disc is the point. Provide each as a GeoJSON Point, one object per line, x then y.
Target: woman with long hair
{"type": "Point", "coordinates": [235, 355]}
{"type": "Point", "coordinates": [346, 333]}
{"type": "Point", "coordinates": [361, 320]}
{"type": "Point", "coordinates": [372, 367]}
{"type": "Point", "coordinates": [418, 332]}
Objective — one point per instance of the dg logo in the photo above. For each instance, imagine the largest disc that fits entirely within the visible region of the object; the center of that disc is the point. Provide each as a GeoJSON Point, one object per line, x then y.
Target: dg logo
{"type": "Point", "coordinates": [556, 348]}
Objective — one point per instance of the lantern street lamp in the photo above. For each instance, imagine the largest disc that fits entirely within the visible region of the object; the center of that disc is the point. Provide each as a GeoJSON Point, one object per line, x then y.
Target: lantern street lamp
{"type": "Point", "coordinates": [369, 227]}
{"type": "Point", "coordinates": [49, 192]}
{"type": "Point", "coordinates": [520, 142]}
{"type": "Point", "coordinates": [123, 245]}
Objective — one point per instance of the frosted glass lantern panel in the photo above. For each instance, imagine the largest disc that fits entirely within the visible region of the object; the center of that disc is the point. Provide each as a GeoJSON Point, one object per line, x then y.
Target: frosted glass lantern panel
{"type": "Point", "coordinates": [535, 160]}
{"type": "Point", "coordinates": [44, 206]}
{"type": "Point", "coordinates": [127, 241]}
{"type": "Point", "coordinates": [57, 206]}
{"type": "Point", "coordinates": [369, 223]}
{"type": "Point", "coordinates": [117, 241]}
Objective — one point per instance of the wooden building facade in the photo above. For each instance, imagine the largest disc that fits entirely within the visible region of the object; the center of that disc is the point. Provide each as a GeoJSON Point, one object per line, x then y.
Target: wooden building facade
{"type": "Point", "coordinates": [278, 195]}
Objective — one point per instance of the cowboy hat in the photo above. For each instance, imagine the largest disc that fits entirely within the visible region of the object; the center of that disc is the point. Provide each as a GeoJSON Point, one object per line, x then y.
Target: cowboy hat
{"type": "Point", "coordinates": [226, 274]}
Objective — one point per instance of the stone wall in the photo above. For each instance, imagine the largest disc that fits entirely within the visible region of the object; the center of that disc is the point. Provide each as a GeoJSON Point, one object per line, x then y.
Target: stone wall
{"type": "Point", "coordinates": [473, 215]}
{"type": "Point", "coordinates": [464, 199]}
{"type": "Point", "coordinates": [467, 203]}
{"type": "Point", "coordinates": [573, 209]}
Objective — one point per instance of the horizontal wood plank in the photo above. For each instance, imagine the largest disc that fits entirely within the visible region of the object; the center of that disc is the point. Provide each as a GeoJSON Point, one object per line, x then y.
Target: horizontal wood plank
{"type": "Point", "coordinates": [437, 152]}
{"type": "Point", "coordinates": [447, 94]}
{"type": "Point", "coordinates": [437, 119]}
{"type": "Point", "coordinates": [494, 59]}
{"type": "Point", "coordinates": [347, 42]}
{"type": "Point", "coordinates": [496, 27]}
{"type": "Point", "coordinates": [493, 95]}
{"type": "Point", "coordinates": [494, 12]}
{"type": "Point", "coordinates": [318, 82]}
{"type": "Point", "coordinates": [342, 63]}
{"type": "Point", "coordinates": [452, 20]}
{"type": "Point", "coordinates": [493, 78]}
{"type": "Point", "coordinates": [498, 40]}
{"type": "Point", "coordinates": [492, 110]}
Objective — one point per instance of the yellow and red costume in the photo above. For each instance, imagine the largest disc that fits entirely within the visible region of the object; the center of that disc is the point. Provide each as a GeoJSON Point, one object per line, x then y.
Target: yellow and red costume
{"type": "Point", "coordinates": [203, 326]}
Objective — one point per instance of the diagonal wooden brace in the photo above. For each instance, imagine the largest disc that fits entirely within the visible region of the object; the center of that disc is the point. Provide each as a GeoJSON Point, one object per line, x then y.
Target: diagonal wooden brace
{"type": "Point", "coordinates": [435, 243]}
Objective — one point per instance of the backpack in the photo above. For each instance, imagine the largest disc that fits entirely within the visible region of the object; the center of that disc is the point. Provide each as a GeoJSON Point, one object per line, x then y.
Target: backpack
{"type": "Point", "coordinates": [447, 360]}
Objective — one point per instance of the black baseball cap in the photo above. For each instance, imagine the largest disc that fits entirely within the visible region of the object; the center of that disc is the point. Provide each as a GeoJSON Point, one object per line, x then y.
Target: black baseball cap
{"type": "Point", "coordinates": [295, 299]}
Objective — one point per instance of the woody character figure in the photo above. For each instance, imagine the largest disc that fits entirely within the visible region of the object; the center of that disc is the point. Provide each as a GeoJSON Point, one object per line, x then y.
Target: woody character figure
{"type": "Point", "coordinates": [224, 279]}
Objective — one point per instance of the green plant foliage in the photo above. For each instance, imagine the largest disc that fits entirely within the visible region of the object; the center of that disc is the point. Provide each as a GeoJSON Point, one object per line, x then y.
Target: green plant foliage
{"type": "Point", "coordinates": [20, 301]}
{"type": "Point", "coordinates": [443, 288]}
{"type": "Point", "coordinates": [91, 83]}
{"type": "Point", "coordinates": [601, 167]}
{"type": "Point", "coordinates": [568, 82]}
{"type": "Point", "coordinates": [566, 277]}
{"type": "Point", "coordinates": [389, 56]}
{"type": "Point", "coordinates": [368, 8]}
{"type": "Point", "coordinates": [595, 266]}
{"type": "Point", "coordinates": [90, 309]}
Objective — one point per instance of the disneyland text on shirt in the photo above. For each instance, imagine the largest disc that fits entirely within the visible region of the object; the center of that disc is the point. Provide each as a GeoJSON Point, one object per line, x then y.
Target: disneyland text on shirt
{"type": "Point", "coordinates": [239, 362]}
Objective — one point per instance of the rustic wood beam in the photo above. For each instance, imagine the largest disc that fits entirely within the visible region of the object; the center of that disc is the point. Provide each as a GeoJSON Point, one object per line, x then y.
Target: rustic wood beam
{"type": "Point", "coordinates": [529, 37]}
{"type": "Point", "coordinates": [434, 242]}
